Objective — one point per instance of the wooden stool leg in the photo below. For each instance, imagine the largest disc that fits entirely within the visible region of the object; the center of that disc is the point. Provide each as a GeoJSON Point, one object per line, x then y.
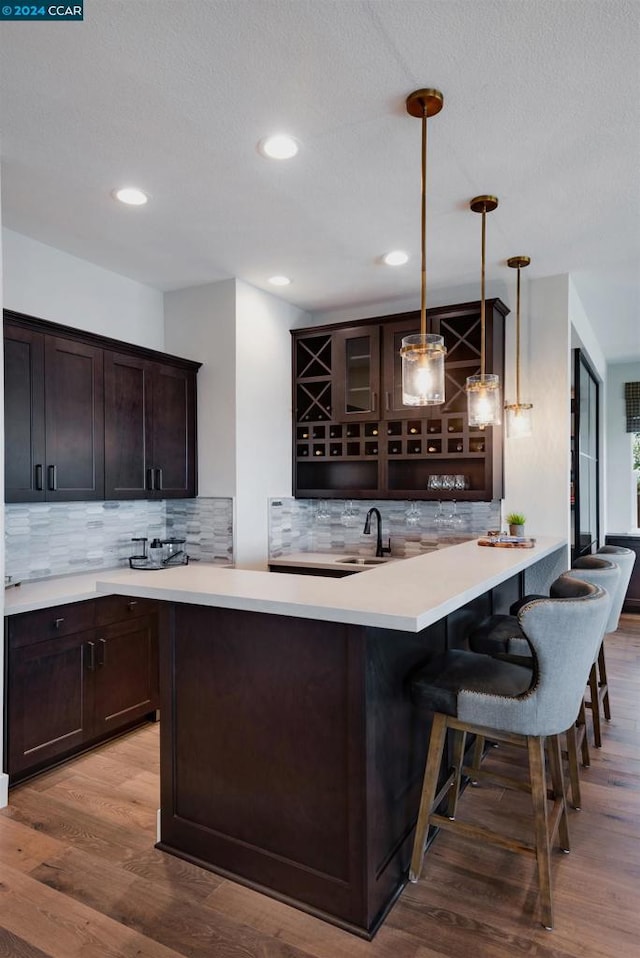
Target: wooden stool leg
{"type": "Point", "coordinates": [478, 752]}
{"type": "Point", "coordinates": [459, 741]}
{"type": "Point", "coordinates": [584, 743]}
{"type": "Point", "coordinates": [429, 786]}
{"type": "Point", "coordinates": [535, 747]}
{"type": "Point", "coordinates": [557, 780]}
{"type": "Point", "coordinates": [572, 761]}
{"type": "Point", "coordinates": [603, 683]}
{"type": "Point", "coordinates": [595, 707]}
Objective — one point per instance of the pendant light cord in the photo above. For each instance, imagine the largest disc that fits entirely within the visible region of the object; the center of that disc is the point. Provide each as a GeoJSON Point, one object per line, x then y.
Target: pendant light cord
{"type": "Point", "coordinates": [482, 316]}
{"type": "Point", "coordinates": [518, 340]}
{"type": "Point", "coordinates": [423, 265]}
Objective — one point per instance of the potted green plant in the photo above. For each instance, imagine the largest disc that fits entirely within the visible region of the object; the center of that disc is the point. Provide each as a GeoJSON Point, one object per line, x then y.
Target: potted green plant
{"type": "Point", "coordinates": [516, 522]}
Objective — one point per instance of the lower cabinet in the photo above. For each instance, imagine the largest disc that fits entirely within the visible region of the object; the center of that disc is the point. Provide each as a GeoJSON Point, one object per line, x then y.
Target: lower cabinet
{"type": "Point", "coordinates": [77, 674]}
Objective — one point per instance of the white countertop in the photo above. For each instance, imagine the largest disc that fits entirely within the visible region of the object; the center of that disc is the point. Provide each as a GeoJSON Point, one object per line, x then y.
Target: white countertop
{"type": "Point", "coordinates": [407, 595]}
{"type": "Point", "coordinates": [44, 593]}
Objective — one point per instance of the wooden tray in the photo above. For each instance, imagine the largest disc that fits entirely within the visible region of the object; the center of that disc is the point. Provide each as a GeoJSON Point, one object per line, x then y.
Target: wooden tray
{"type": "Point", "coordinates": [508, 542]}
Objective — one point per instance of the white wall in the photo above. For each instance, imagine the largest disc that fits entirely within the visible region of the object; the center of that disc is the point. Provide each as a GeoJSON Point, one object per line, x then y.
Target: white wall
{"type": "Point", "coordinates": [622, 514]}
{"type": "Point", "coordinates": [242, 336]}
{"type": "Point", "coordinates": [263, 415]}
{"type": "Point", "coordinates": [200, 322]}
{"type": "Point", "coordinates": [49, 284]}
{"type": "Point", "coordinates": [537, 468]}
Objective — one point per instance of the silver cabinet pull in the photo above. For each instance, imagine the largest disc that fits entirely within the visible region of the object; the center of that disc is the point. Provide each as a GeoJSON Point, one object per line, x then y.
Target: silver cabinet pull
{"type": "Point", "coordinates": [92, 656]}
{"type": "Point", "coordinates": [39, 486]}
{"type": "Point", "coordinates": [52, 478]}
{"type": "Point", "coordinates": [57, 623]}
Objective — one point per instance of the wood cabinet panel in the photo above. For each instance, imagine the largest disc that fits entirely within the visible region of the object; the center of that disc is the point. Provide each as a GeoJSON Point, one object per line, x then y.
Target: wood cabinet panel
{"type": "Point", "coordinates": [90, 418]}
{"type": "Point", "coordinates": [126, 676]}
{"type": "Point", "coordinates": [24, 415]}
{"type": "Point", "coordinates": [74, 420]}
{"type": "Point", "coordinates": [49, 703]}
{"type": "Point", "coordinates": [70, 685]}
{"type": "Point", "coordinates": [127, 382]}
{"type": "Point", "coordinates": [173, 432]}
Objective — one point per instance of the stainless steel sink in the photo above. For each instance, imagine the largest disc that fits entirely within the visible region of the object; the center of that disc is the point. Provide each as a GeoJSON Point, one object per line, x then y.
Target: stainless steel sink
{"type": "Point", "coordinates": [361, 560]}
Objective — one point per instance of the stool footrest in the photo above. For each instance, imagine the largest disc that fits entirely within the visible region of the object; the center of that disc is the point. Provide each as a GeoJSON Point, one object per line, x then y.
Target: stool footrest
{"type": "Point", "coordinates": [482, 833]}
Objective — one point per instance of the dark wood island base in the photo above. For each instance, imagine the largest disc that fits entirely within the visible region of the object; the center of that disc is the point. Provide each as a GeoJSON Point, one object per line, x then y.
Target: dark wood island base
{"type": "Point", "coordinates": [291, 756]}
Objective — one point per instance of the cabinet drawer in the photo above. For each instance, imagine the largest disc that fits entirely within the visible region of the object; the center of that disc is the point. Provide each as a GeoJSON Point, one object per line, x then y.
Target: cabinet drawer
{"type": "Point", "coordinates": [118, 608]}
{"type": "Point", "coordinates": [60, 620]}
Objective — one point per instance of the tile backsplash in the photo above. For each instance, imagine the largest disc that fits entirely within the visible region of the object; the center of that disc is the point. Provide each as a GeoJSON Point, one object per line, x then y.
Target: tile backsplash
{"type": "Point", "coordinates": [335, 525]}
{"type": "Point", "coordinates": [47, 539]}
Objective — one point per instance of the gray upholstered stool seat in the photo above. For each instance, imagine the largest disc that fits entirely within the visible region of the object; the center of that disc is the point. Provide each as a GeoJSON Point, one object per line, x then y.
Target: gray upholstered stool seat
{"type": "Point", "coordinates": [436, 684]}
{"type": "Point", "coordinates": [467, 692]}
{"type": "Point", "coordinates": [500, 635]}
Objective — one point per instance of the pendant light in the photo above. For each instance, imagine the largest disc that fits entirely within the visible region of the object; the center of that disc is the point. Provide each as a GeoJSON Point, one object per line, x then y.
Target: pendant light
{"type": "Point", "coordinates": [518, 413]}
{"type": "Point", "coordinates": [483, 392]}
{"type": "Point", "coordinates": [423, 353]}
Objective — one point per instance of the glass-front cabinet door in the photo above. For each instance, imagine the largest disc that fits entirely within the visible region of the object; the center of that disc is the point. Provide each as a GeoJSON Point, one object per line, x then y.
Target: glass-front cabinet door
{"type": "Point", "coordinates": [585, 458]}
{"type": "Point", "coordinates": [357, 378]}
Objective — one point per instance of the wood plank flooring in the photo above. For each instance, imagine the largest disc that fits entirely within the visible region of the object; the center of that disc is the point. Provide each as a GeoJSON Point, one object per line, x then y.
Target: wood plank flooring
{"type": "Point", "coordinates": [80, 878]}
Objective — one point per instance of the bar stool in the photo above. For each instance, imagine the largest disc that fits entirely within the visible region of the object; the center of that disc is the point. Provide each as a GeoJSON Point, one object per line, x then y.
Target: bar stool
{"type": "Point", "coordinates": [472, 693]}
{"type": "Point", "coordinates": [625, 559]}
{"type": "Point", "coordinates": [591, 569]}
{"type": "Point", "coordinates": [501, 636]}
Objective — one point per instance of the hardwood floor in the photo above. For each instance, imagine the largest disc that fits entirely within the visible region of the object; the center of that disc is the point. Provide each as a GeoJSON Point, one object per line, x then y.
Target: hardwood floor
{"type": "Point", "coordinates": [80, 878]}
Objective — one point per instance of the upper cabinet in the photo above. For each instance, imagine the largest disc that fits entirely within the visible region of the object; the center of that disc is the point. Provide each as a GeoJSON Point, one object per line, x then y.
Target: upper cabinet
{"type": "Point", "coordinates": [354, 438]}
{"type": "Point", "coordinates": [54, 421]}
{"type": "Point", "coordinates": [90, 418]}
{"type": "Point", "coordinates": [150, 429]}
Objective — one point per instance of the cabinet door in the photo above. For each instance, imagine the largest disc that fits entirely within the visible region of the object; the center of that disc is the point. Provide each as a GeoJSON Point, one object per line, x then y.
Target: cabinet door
{"type": "Point", "coordinates": [173, 432]}
{"type": "Point", "coordinates": [24, 414]}
{"type": "Point", "coordinates": [127, 426]}
{"type": "Point", "coordinates": [126, 675]}
{"type": "Point", "coordinates": [50, 701]}
{"type": "Point", "coordinates": [356, 377]}
{"type": "Point", "coordinates": [74, 420]}
{"type": "Point", "coordinates": [393, 335]}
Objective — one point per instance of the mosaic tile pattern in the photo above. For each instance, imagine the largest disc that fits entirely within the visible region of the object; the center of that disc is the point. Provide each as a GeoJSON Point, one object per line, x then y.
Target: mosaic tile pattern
{"type": "Point", "coordinates": [206, 524]}
{"type": "Point", "coordinates": [48, 539]}
{"type": "Point", "coordinates": [335, 525]}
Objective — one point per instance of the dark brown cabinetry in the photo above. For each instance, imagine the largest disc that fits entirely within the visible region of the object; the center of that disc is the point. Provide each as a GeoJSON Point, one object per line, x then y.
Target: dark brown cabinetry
{"type": "Point", "coordinates": [77, 674]}
{"type": "Point", "coordinates": [87, 417]}
{"type": "Point", "coordinates": [54, 423]}
{"type": "Point", "coordinates": [149, 429]}
{"type": "Point", "coordinates": [353, 436]}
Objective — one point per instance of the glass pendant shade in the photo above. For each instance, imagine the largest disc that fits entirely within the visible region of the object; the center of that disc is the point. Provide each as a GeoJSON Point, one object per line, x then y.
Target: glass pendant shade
{"type": "Point", "coordinates": [423, 369]}
{"type": "Point", "coordinates": [484, 401]}
{"type": "Point", "coordinates": [519, 420]}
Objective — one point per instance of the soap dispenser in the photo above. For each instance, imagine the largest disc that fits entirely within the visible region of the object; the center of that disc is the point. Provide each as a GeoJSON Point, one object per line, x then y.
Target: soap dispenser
{"type": "Point", "coordinates": [156, 552]}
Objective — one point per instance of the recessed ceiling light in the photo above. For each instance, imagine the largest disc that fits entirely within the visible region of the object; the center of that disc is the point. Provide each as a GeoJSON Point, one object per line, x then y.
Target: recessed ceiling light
{"type": "Point", "coordinates": [279, 280]}
{"type": "Point", "coordinates": [396, 258]}
{"type": "Point", "coordinates": [278, 147]}
{"type": "Point", "coordinates": [131, 196]}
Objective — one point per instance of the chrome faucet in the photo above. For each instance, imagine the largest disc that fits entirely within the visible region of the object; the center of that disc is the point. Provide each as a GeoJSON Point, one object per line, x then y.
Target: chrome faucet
{"type": "Point", "coordinates": [380, 550]}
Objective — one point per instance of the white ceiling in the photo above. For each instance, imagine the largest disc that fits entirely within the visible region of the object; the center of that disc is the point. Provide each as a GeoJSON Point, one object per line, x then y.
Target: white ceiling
{"type": "Point", "coordinates": [542, 108]}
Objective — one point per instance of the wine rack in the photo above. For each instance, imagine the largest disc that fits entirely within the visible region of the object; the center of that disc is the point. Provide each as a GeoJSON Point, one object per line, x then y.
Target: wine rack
{"type": "Point", "coordinates": [390, 451]}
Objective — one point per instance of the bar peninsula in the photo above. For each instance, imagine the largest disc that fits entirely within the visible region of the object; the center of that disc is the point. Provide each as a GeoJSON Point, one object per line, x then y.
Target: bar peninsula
{"type": "Point", "coordinates": [291, 756]}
